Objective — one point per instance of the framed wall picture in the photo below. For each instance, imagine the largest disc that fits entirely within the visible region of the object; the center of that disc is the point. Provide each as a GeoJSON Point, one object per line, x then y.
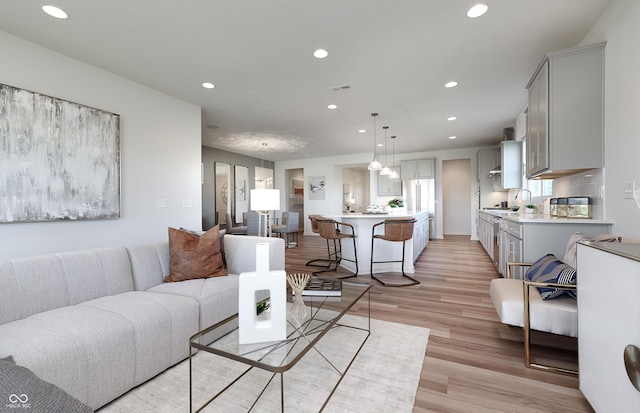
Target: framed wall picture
{"type": "Point", "coordinates": [317, 188]}
{"type": "Point", "coordinates": [59, 160]}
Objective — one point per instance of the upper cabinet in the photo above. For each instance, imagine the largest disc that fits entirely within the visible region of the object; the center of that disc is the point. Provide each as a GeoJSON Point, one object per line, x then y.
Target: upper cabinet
{"type": "Point", "coordinates": [521, 125]}
{"type": "Point", "coordinates": [511, 164]}
{"type": "Point", "coordinates": [565, 133]}
{"type": "Point", "coordinates": [389, 186]}
{"type": "Point", "coordinates": [417, 169]}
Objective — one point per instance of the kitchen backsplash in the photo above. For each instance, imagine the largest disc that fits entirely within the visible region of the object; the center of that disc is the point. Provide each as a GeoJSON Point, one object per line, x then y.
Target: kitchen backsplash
{"type": "Point", "coordinates": [590, 183]}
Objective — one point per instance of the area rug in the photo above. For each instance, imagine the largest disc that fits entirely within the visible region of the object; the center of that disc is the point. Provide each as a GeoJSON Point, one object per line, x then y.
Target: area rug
{"type": "Point", "coordinates": [383, 378]}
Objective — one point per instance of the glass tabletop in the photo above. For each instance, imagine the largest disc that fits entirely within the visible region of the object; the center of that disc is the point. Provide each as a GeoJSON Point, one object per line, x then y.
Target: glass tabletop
{"type": "Point", "coordinates": [322, 314]}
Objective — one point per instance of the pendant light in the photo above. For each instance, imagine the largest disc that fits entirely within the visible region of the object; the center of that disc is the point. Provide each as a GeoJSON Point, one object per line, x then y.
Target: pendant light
{"type": "Point", "coordinates": [385, 170]}
{"type": "Point", "coordinates": [393, 174]}
{"type": "Point", "coordinates": [374, 165]}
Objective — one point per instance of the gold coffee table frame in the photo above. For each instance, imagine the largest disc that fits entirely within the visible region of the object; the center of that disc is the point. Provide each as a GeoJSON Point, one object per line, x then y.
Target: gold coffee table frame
{"type": "Point", "coordinates": [278, 357]}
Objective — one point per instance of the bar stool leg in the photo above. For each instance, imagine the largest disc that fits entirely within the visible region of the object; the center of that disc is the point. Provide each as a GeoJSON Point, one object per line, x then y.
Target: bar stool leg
{"type": "Point", "coordinates": [413, 280]}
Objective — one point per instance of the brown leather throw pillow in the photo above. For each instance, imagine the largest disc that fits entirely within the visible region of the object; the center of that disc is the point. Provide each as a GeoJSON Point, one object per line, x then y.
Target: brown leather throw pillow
{"type": "Point", "coordinates": [192, 256]}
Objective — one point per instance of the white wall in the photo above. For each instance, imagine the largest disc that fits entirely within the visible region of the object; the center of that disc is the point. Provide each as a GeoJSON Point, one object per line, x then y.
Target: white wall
{"type": "Point", "coordinates": [620, 27]}
{"type": "Point", "coordinates": [332, 166]}
{"type": "Point", "coordinates": [160, 139]}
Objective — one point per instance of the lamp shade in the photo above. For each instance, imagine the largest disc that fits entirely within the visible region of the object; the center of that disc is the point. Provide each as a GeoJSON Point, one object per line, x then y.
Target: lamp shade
{"type": "Point", "coordinates": [265, 199]}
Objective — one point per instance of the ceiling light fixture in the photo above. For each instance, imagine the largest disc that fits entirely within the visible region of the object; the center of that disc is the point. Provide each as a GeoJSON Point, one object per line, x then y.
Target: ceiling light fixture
{"type": "Point", "coordinates": [477, 10]}
{"type": "Point", "coordinates": [362, 130]}
{"type": "Point", "coordinates": [208, 85]}
{"type": "Point", "coordinates": [452, 137]}
{"type": "Point", "coordinates": [452, 118]}
{"type": "Point", "coordinates": [332, 106]}
{"type": "Point", "coordinates": [451, 84]}
{"type": "Point", "coordinates": [374, 165]}
{"type": "Point", "coordinates": [54, 11]}
{"type": "Point", "coordinates": [320, 53]}
{"type": "Point", "coordinates": [394, 173]}
{"type": "Point", "coordinates": [385, 170]}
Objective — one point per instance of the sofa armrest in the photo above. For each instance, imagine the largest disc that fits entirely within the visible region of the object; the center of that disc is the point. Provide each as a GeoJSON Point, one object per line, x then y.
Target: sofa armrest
{"type": "Point", "coordinates": [240, 253]}
{"type": "Point", "coordinates": [515, 264]}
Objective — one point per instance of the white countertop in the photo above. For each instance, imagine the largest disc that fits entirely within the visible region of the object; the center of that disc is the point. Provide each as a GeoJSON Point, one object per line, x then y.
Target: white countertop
{"type": "Point", "coordinates": [543, 218]}
{"type": "Point", "coordinates": [381, 216]}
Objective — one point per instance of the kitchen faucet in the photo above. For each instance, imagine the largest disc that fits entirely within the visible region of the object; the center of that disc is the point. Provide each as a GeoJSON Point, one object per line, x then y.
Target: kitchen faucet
{"type": "Point", "coordinates": [524, 189]}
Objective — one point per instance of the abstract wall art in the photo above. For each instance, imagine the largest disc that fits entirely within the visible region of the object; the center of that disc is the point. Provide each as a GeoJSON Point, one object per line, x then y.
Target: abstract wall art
{"type": "Point", "coordinates": [317, 187]}
{"type": "Point", "coordinates": [59, 160]}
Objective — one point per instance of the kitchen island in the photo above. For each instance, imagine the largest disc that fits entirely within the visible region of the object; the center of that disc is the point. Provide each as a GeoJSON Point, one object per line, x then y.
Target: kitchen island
{"type": "Point", "coordinates": [384, 250]}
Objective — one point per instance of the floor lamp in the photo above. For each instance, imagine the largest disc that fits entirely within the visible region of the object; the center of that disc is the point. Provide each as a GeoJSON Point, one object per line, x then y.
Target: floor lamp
{"type": "Point", "coordinates": [263, 201]}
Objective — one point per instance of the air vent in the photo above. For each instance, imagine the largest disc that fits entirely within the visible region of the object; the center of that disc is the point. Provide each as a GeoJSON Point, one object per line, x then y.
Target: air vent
{"type": "Point", "coordinates": [339, 88]}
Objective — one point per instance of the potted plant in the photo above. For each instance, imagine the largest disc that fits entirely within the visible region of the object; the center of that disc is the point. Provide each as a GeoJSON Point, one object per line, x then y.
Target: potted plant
{"type": "Point", "coordinates": [396, 203]}
{"type": "Point", "coordinates": [529, 209]}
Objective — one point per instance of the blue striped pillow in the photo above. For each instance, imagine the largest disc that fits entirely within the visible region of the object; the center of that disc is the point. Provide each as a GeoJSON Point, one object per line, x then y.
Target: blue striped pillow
{"type": "Point", "coordinates": [551, 270]}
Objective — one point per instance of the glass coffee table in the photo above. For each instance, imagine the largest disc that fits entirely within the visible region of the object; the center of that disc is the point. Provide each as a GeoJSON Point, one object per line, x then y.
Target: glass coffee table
{"type": "Point", "coordinates": [324, 318]}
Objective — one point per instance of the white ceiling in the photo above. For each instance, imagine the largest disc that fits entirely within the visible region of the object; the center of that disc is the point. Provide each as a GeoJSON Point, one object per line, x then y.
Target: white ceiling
{"type": "Point", "coordinates": [394, 55]}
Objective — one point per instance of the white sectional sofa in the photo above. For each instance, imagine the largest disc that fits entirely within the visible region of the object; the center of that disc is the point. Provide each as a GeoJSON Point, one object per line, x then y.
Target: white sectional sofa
{"type": "Point", "coordinates": [97, 323]}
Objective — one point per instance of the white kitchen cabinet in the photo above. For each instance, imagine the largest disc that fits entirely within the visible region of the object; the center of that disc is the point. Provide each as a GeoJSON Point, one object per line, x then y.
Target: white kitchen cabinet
{"type": "Point", "coordinates": [608, 321]}
{"type": "Point", "coordinates": [531, 239]}
{"type": "Point", "coordinates": [488, 163]}
{"type": "Point", "coordinates": [511, 164]}
{"type": "Point", "coordinates": [388, 186]}
{"type": "Point", "coordinates": [417, 169]}
{"type": "Point", "coordinates": [521, 125]}
{"type": "Point", "coordinates": [511, 247]}
{"type": "Point", "coordinates": [486, 232]}
{"type": "Point", "coordinates": [420, 234]}
{"type": "Point", "coordinates": [566, 113]}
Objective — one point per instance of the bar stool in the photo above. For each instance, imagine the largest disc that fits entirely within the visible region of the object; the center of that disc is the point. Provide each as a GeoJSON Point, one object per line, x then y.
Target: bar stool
{"type": "Point", "coordinates": [315, 230]}
{"type": "Point", "coordinates": [333, 232]}
{"type": "Point", "coordinates": [395, 230]}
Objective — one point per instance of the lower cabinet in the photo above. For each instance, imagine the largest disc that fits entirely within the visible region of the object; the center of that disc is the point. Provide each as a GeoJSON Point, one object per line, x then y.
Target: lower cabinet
{"type": "Point", "coordinates": [608, 321]}
{"type": "Point", "coordinates": [420, 234]}
{"type": "Point", "coordinates": [511, 250]}
{"type": "Point", "coordinates": [526, 240]}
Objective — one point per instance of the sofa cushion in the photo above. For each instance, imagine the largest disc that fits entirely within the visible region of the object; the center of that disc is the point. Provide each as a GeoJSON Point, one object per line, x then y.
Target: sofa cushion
{"type": "Point", "coordinates": [162, 325]}
{"type": "Point", "coordinates": [30, 286]}
{"type": "Point", "coordinates": [549, 269]}
{"type": "Point", "coordinates": [149, 264]}
{"type": "Point", "coordinates": [558, 316]}
{"type": "Point", "coordinates": [218, 297]}
{"type": "Point", "coordinates": [21, 389]}
{"type": "Point", "coordinates": [91, 274]}
{"type": "Point", "coordinates": [87, 352]}
{"type": "Point", "coordinates": [192, 256]}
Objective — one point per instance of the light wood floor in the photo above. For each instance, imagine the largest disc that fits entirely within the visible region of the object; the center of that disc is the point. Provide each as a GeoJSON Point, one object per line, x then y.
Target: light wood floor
{"type": "Point", "coordinates": [473, 362]}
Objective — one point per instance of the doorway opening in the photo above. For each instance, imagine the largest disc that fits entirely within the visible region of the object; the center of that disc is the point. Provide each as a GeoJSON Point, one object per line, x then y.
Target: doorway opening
{"type": "Point", "coordinates": [456, 197]}
{"type": "Point", "coordinates": [294, 192]}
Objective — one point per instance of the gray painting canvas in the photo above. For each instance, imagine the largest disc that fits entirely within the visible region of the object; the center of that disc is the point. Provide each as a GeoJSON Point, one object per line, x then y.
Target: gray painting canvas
{"type": "Point", "coordinates": [58, 160]}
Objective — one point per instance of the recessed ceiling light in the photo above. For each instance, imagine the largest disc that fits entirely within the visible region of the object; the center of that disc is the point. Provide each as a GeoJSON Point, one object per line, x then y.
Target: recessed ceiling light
{"type": "Point", "coordinates": [452, 137]}
{"type": "Point", "coordinates": [452, 118]}
{"type": "Point", "coordinates": [477, 10]}
{"type": "Point", "coordinates": [332, 106]}
{"type": "Point", "coordinates": [208, 85]}
{"type": "Point", "coordinates": [451, 84]}
{"type": "Point", "coordinates": [53, 11]}
{"type": "Point", "coordinates": [381, 144]}
{"type": "Point", "coordinates": [321, 53]}
{"type": "Point", "coordinates": [362, 131]}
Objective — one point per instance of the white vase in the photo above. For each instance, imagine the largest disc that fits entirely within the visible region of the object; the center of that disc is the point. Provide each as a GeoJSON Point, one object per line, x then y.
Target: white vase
{"type": "Point", "coordinates": [529, 210]}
